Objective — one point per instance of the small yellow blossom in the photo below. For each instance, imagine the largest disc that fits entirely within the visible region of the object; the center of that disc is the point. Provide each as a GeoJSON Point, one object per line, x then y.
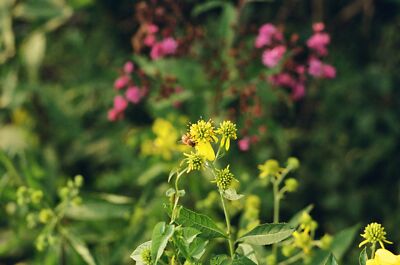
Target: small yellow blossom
{"type": "Point", "coordinates": [227, 130]}
{"type": "Point", "coordinates": [203, 134]}
{"type": "Point", "coordinates": [194, 161]}
{"type": "Point", "coordinates": [374, 233]}
{"type": "Point", "coordinates": [270, 167]}
{"type": "Point", "coordinates": [224, 178]}
{"type": "Point", "coordinates": [384, 257]}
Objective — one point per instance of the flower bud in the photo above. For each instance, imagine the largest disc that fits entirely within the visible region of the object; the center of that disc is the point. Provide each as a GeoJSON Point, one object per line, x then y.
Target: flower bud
{"type": "Point", "coordinates": [291, 184]}
{"type": "Point", "coordinates": [78, 180]}
{"type": "Point", "coordinates": [45, 215]}
{"type": "Point", "coordinates": [36, 196]}
{"type": "Point", "coordinates": [293, 163]}
{"type": "Point", "coordinates": [326, 241]}
{"type": "Point", "coordinates": [271, 259]}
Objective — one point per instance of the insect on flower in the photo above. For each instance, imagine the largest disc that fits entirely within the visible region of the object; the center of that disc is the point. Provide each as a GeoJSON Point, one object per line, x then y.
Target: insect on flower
{"type": "Point", "coordinates": [187, 140]}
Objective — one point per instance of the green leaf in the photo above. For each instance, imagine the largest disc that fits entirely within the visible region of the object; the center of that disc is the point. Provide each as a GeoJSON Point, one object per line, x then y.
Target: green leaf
{"type": "Point", "coordinates": [267, 234]}
{"type": "Point", "coordinates": [97, 211]}
{"type": "Point", "coordinates": [247, 251]}
{"type": "Point", "coordinates": [197, 248]}
{"type": "Point", "coordinates": [363, 257]}
{"type": "Point", "coordinates": [161, 234]}
{"type": "Point", "coordinates": [137, 253]}
{"type": "Point", "coordinates": [220, 260]}
{"type": "Point", "coordinates": [79, 246]}
{"type": "Point", "coordinates": [242, 260]}
{"type": "Point", "coordinates": [202, 222]}
{"type": "Point", "coordinates": [209, 5]}
{"type": "Point", "coordinates": [331, 260]}
{"type": "Point", "coordinates": [343, 240]}
{"type": "Point", "coordinates": [231, 194]}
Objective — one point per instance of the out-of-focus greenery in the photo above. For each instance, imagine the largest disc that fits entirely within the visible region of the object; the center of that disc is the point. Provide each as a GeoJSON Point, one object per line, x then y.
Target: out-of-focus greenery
{"type": "Point", "coordinates": [58, 63]}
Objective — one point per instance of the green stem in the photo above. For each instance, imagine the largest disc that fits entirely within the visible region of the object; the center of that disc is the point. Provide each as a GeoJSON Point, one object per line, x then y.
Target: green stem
{"type": "Point", "coordinates": [173, 214]}
{"type": "Point", "coordinates": [373, 250]}
{"type": "Point", "coordinates": [276, 212]}
{"type": "Point", "coordinates": [292, 259]}
{"type": "Point", "coordinates": [228, 226]}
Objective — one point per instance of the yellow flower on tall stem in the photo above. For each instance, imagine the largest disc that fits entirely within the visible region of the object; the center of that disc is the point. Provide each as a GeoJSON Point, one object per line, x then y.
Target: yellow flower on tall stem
{"type": "Point", "coordinates": [203, 134]}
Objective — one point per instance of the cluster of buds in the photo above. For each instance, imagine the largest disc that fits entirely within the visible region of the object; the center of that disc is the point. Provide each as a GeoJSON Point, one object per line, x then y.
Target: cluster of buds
{"type": "Point", "coordinates": [132, 92]}
{"type": "Point", "coordinates": [296, 60]}
{"type": "Point", "coordinates": [70, 192]}
{"type": "Point", "coordinates": [159, 48]}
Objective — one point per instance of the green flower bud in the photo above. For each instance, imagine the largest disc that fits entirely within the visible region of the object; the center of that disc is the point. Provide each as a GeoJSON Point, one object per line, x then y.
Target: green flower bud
{"type": "Point", "coordinates": [45, 215]}
{"type": "Point", "coordinates": [293, 163]}
{"type": "Point", "coordinates": [64, 193]}
{"type": "Point", "coordinates": [224, 178]}
{"type": "Point", "coordinates": [22, 194]}
{"type": "Point", "coordinates": [291, 184]}
{"type": "Point", "coordinates": [271, 259]}
{"type": "Point", "coordinates": [36, 196]}
{"type": "Point", "coordinates": [31, 220]}
{"type": "Point", "coordinates": [287, 250]}
{"type": "Point", "coordinates": [11, 207]}
{"type": "Point", "coordinates": [374, 233]}
{"type": "Point", "coordinates": [194, 161]}
{"type": "Point", "coordinates": [270, 167]}
{"type": "Point", "coordinates": [326, 241]}
{"type": "Point", "coordinates": [305, 218]}
{"type": "Point", "coordinates": [77, 201]}
{"type": "Point", "coordinates": [41, 242]}
{"type": "Point", "coordinates": [146, 256]}
{"type": "Point", "coordinates": [78, 180]}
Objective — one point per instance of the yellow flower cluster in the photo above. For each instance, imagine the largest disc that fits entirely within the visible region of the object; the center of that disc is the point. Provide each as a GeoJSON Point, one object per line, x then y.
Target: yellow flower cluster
{"type": "Point", "coordinates": [374, 233]}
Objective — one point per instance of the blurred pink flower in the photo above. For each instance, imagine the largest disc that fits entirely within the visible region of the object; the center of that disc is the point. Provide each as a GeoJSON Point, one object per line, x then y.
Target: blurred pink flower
{"type": "Point", "coordinates": [315, 67]}
{"type": "Point", "coordinates": [298, 91]}
{"type": "Point", "coordinates": [121, 82]}
{"type": "Point", "coordinates": [112, 115]}
{"type": "Point", "coordinates": [329, 71]}
{"type": "Point", "coordinates": [272, 57]}
{"type": "Point", "coordinates": [133, 94]}
{"type": "Point", "coordinates": [150, 40]}
{"type": "Point", "coordinates": [120, 103]}
{"type": "Point", "coordinates": [169, 45]}
{"type": "Point", "coordinates": [128, 67]}
{"type": "Point", "coordinates": [266, 34]}
{"type": "Point", "coordinates": [156, 51]}
{"type": "Point", "coordinates": [282, 79]}
{"type": "Point", "coordinates": [244, 144]}
{"type": "Point", "coordinates": [152, 28]}
{"type": "Point", "coordinates": [318, 43]}
{"type": "Point", "coordinates": [319, 26]}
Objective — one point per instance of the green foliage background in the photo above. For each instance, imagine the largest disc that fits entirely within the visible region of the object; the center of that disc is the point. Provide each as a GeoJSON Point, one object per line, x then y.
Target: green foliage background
{"type": "Point", "coordinates": [56, 87]}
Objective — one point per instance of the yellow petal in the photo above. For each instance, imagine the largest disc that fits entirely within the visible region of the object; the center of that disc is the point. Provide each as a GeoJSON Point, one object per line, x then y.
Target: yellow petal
{"type": "Point", "coordinates": [372, 262]}
{"type": "Point", "coordinates": [205, 149]}
{"type": "Point", "coordinates": [227, 144]}
{"type": "Point", "coordinates": [385, 257]}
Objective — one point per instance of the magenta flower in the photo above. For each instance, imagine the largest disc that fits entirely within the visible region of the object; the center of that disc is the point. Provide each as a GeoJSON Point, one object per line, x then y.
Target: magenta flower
{"type": "Point", "coordinates": [121, 82]}
{"type": "Point", "coordinates": [318, 43]}
{"type": "Point", "coordinates": [113, 115]}
{"type": "Point", "coordinates": [318, 27]}
{"type": "Point", "coordinates": [320, 70]}
{"type": "Point", "coordinates": [169, 45]}
{"type": "Point", "coordinates": [150, 40]}
{"type": "Point", "coordinates": [267, 34]}
{"type": "Point", "coordinates": [244, 144]}
{"type": "Point", "coordinates": [133, 94]}
{"type": "Point", "coordinates": [156, 51]}
{"type": "Point", "coordinates": [271, 57]}
{"type": "Point", "coordinates": [128, 67]}
{"type": "Point", "coordinates": [298, 91]}
{"type": "Point", "coordinates": [152, 28]}
{"type": "Point", "coordinates": [120, 103]}
{"type": "Point", "coordinates": [282, 79]}
{"type": "Point", "coordinates": [329, 71]}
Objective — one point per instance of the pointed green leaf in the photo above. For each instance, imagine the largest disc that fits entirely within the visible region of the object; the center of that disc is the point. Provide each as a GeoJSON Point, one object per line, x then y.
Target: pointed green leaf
{"type": "Point", "coordinates": [295, 221]}
{"type": "Point", "coordinates": [267, 234]}
{"type": "Point", "coordinates": [161, 234]}
{"type": "Point", "coordinates": [220, 260]}
{"type": "Point", "coordinates": [247, 250]}
{"type": "Point", "coordinates": [363, 257]}
{"type": "Point", "coordinates": [201, 222]}
{"type": "Point", "coordinates": [242, 260]}
{"type": "Point", "coordinates": [79, 246]}
{"type": "Point", "coordinates": [331, 260]}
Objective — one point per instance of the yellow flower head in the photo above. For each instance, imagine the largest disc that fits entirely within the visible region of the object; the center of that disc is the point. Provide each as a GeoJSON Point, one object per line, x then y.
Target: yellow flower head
{"type": "Point", "coordinates": [227, 130]}
{"type": "Point", "coordinates": [270, 167]}
{"type": "Point", "coordinates": [303, 240]}
{"type": "Point", "coordinates": [224, 178]}
{"type": "Point", "coordinates": [374, 233]}
{"type": "Point", "coordinates": [384, 257]}
{"type": "Point", "coordinates": [203, 131]}
{"type": "Point", "coordinates": [194, 161]}
{"type": "Point", "coordinates": [146, 256]}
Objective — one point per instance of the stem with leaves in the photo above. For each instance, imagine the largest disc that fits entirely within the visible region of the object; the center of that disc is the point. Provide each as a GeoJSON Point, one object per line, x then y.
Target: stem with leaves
{"type": "Point", "coordinates": [228, 226]}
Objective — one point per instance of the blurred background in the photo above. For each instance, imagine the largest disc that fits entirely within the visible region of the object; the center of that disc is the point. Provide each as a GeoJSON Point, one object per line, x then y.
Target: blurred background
{"type": "Point", "coordinates": [61, 61]}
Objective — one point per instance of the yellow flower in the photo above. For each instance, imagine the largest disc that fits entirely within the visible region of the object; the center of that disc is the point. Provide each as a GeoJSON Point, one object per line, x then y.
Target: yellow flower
{"type": "Point", "coordinates": [384, 257]}
{"type": "Point", "coordinates": [374, 233]}
{"type": "Point", "coordinates": [224, 178]}
{"type": "Point", "coordinates": [194, 161]}
{"type": "Point", "coordinates": [270, 167]}
{"type": "Point", "coordinates": [203, 134]}
{"type": "Point", "coordinates": [227, 130]}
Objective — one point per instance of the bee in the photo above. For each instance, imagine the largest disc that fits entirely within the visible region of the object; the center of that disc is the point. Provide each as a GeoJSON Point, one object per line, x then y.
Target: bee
{"type": "Point", "coordinates": [187, 140]}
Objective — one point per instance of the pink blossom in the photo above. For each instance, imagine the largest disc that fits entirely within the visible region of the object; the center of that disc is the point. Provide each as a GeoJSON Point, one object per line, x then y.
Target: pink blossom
{"type": "Point", "coordinates": [329, 71]}
{"type": "Point", "coordinates": [120, 104]}
{"type": "Point", "coordinates": [169, 45]}
{"type": "Point", "coordinates": [266, 34]}
{"type": "Point", "coordinates": [128, 67]}
{"type": "Point", "coordinates": [318, 42]}
{"type": "Point", "coordinates": [244, 144]}
{"type": "Point", "coordinates": [318, 27]}
{"type": "Point", "coordinates": [271, 58]}
{"type": "Point", "coordinates": [133, 94]}
{"type": "Point", "coordinates": [156, 51]}
{"type": "Point", "coordinates": [298, 91]}
{"type": "Point", "coordinates": [152, 28]}
{"type": "Point", "coordinates": [149, 40]}
{"type": "Point", "coordinates": [315, 67]}
{"type": "Point", "coordinates": [121, 82]}
{"type": "Point", "coordinates": [112, 115]}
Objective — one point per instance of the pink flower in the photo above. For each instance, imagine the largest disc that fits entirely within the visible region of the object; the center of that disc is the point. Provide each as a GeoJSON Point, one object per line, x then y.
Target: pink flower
{"type": "Point", "coordinates": [318, 43]}
{"type": "Point", "coordinates": [298, 91]}
{"type": "Point", "coordinates": [266, 34]}
{"type": "Point", "coordinates": [169, 45]}
{"type": "Point", "coordinates": [149, 40]}
{"type": "Point", "coordinates": [271, 58]}
{"type": "Point", "coordinates": [113, 115]}
{"type": "Point", "coordinates": [329, 71]}
{"type": "Point", "coordinates": [244, 144]}
{"type": "Point", "coordinates": [152, 28]}
{"type": "Point", "coordinates": [128, 67]}
{"type": "Point", "coordinates": [282, 79]}
{"type": "Point", "coordinates": [121, 82]}
{"type": "Point", "coordinates": [318, 27]}
{"type": "Point", "coordinates": [120, 104]}
{"type": "Point", "coordinates": [156, 51]}
{"type": "Point", "coordinates": [315, 67]}
{"type": "Point", "coordinates": [133, 94]}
